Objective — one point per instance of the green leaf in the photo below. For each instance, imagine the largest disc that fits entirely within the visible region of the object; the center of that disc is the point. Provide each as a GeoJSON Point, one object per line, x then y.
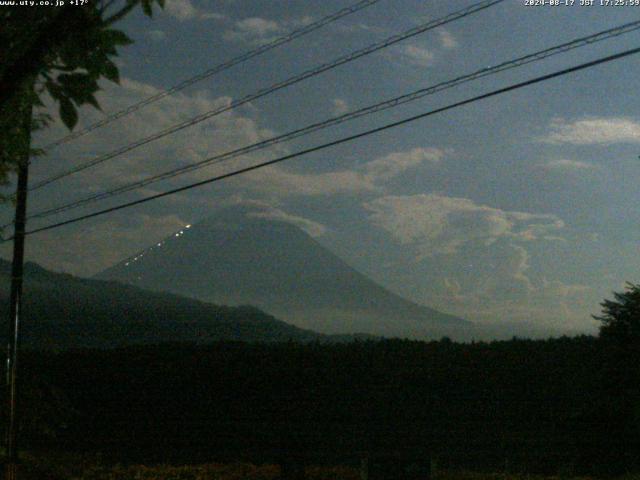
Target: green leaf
{"type": "Point", "coordinates": [54, 90]}
{"type": "Point", "coordinates": [68, 113]}
{"type": "Point", "coordinates": [37, 102]}
{"type": "Point", "coordinates": [146, 8]}
{"type": "Point", "coordinates": [110, 71]}
{"type": "Point", "coordinates": [79, 87]}
{"type": "Point", "coordinates": [70, 55]}
{"type": "Point", "coordinates": [91, 100]}
{"type": "Point", "coordinates": [112, 38]}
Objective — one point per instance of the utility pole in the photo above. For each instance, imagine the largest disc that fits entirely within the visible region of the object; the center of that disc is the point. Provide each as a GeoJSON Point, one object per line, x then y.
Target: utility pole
{"type": "Point", "coordinates": [15, 300]}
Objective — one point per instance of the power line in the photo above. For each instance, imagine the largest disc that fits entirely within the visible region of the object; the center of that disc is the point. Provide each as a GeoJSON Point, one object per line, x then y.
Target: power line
{"type": "Point", "coordinates": [215, 70]}
{"type": "Point", "coordinates": [387, 104]}
{"type": "Point", "coordinates": [349, 138]}
{"type": "Point", "coordinates": [273, 88]}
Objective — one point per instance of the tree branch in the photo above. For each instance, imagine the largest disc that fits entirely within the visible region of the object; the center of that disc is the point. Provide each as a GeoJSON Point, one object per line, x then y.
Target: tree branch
{"type": "Point", "coordinates": [55, 33]}
{"type": "Point", "coordinates": [123, 12]}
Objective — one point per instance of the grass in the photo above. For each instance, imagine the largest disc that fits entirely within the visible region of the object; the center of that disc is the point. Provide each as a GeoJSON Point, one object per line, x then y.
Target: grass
{"type": "Point", "coordinates": [73, 467]}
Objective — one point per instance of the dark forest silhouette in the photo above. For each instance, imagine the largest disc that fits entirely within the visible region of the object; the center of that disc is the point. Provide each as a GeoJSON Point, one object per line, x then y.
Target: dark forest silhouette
{"type": "Point", "coordinates": [565, 405]}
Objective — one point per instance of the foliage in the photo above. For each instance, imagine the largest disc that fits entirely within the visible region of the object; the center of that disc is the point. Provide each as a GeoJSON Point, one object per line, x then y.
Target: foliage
{"type": "Point", "coordinates": [621, 317]}
{"type": "Point", "coordinates": [168, 472]}
{"type": "Point", "coordinates": [567, 404]}
{"type": "Point", "coordinates": [62, 52]}
{"type": "Point", "coordinates": [616, 411]}
{"type": "Point", "coordinates": [243, 471]}
{"type": "Point", "coordinates": [472, 405]}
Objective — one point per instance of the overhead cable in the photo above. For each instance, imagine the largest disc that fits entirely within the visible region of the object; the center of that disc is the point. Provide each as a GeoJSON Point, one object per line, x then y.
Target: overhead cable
{"type": "Point", "coordinates": [215, 70]}
{"type": "Point", "coordinates": [271, 89]}
{"type": "Point", "coordinates": [378, 107]}
{"type": "Point", "coordinates": [342, 140]}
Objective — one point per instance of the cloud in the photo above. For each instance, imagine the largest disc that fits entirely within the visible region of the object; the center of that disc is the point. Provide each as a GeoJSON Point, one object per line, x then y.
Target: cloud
{"type": "Point", "coordinates": [360, 27]}
{"type": "Point", "coordinates": [531, 226]}
{"type": "Point", "coordinates": [567, 165]}
{"type": "Point", "coordinates": [394, 164]}
{"type": "Point", "coordinates": [339, 107]}
{"type": "Point", "coordinates": [275, 180]}
{"type": "Point", "coordinates": [503, 289]}
{"type": "Point", "coordinates": [299, 22]}
{"type": "Point", "coordinates": [217, 135]}
{"type": "Point", "coordinates": [416, 56]}
{"type": "Point", "coordinates": [367, 178]}
{"type": "Point", "coordinates": [212, 16]}
{"type": "Point", "coordinates": [447, 40]}
{"type": "Point", "coordinates": [313, 228]}
{"type": "Point", "coordinates": [556, 288]}
{"type": "Point", "coordinates": [453, 291]}
{"type": "Point", "coordinates": [254, 30]}
{"type": "Point", "coordinates": [254, 208]}
{"type": "Point", "coordinates": [509, 277]}
{"type": "Point", "coordinates": [258, 30]}
{"type": "Point", "coordinates": [156, 35]}
{"type": "Point", "coordinates": [439, 225]}
{"type": "Point", "coordinates": [594, 131]}
{"type": "Point", "coordinates": [184, 10]}
{"type": "Point", "coordinates": [480, 261]}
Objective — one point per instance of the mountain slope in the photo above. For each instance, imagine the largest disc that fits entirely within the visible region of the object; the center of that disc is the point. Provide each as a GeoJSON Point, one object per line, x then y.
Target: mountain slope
{"type": "Point", "coordinates": [238, 257]}
{"type": "Point", "coordinates": [63, 311]}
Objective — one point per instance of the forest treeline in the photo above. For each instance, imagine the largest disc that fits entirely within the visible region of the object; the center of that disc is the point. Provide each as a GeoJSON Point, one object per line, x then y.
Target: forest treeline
{"type": "Point", "coordinates": [567, 405]}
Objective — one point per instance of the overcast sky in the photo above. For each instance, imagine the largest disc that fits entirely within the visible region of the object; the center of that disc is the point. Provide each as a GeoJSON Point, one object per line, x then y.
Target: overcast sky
{"type": "Point", "coordinates": [520, 208]}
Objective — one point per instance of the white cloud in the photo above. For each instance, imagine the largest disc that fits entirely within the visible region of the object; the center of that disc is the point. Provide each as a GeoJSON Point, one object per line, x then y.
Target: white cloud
{"type": "Point", "coordinates": [368, 178]}
{"type": "Point", "coordinates": [556, 288]}
{"type": "Point", "coordinates": [417, 56]}
{"type": "Point", "coordinates": [275, 180]}
{"type": "Point", "coordinates": [436, 224]}
{"type": "Point", "coordinates": [156, 35]}
{"type": "Point", "coordinates": [217, 135]}
{"type": "Point", "coordinates": [360, 27]}
{"type": "Point", "coordinates": [212, 16]}
{"type": "Point", "coordinates": [313, 228]}
{"type": "Point", "coordinates": [184, 10]}
{"type": "Point", "coordinates": [504, 291]}
{"type": "Point", "coordinates": [258, 30]}
{"type": "Point", "coordinates": [501, 277]}
{"type": "Point", "coordinates": [567, 164]}
{"type": "Point", "coordinates": [254, 30]}
{"type": "Point", "coordinates": [339, 107]}
{"type": "Point", "coordinates": [300, 22]}
{"type": "Point", "coordinates": [269, 210]}
{"type": "Point", "coordinates": [394, 164]}
{"type": "Point", "coordinates": [594, 131]}
{"type": "Point", "coordinates": [509, 277]}
{"type": "Point", "coordinates": [530, 226]}
{"type": "Point", "coordinates": [453, 291]}
{"type": "Point", "coordinates": [571, 303]}
{"type": "Point", "coordinates": [447, 40]}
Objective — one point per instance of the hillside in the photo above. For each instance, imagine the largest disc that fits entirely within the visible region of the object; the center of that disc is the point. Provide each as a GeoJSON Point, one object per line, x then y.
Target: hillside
{"type": "Point", "coordinates": [239, 257]}
{"type": "Point", "coordinates": [63, 311]}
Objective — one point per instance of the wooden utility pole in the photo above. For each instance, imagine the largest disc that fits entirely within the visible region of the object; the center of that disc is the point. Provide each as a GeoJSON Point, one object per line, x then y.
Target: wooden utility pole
{"type": "Point", "coordinates": [15, 300]}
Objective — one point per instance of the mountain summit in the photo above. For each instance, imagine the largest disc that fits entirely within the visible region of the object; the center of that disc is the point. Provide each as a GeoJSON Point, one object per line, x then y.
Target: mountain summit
{"type": "Point", "coordinates": [241, 257]}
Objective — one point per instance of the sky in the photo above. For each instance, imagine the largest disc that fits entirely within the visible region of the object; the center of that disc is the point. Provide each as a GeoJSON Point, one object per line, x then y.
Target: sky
{"type": "Point", "coordinates": [521, 208]}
